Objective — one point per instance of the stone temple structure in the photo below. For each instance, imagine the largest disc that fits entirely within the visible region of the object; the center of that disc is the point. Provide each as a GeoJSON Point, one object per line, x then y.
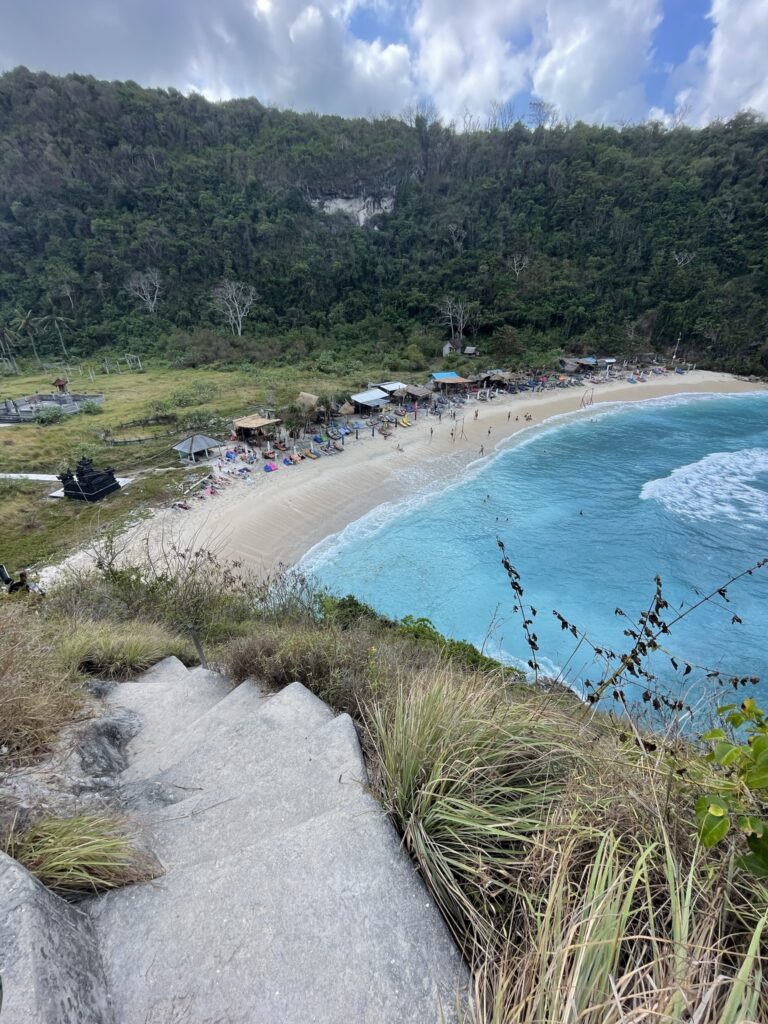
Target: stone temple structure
{"type": "Point", "coordinates": [87, 483]}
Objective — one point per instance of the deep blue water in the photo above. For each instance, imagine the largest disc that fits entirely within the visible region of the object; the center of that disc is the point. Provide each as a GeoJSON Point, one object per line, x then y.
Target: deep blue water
{"type": "Point", "coordinates": [590, 509]}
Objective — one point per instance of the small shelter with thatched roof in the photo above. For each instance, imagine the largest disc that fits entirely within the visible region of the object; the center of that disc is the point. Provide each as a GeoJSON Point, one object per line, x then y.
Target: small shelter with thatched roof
{"type": "Point", "coordinates": [197, 447]}
{"type": "Point", "coordinates": [256, 429]}
{"type": "Point", "coordinates": [306, 401]}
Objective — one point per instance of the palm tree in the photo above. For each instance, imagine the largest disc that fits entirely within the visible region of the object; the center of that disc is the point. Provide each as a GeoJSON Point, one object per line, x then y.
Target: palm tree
{"type": "Point", "coordinates": [7, 341]}
{"type": "Point", "coordinates": [24, 326]}
{"type": "Point", "coordinates": [55, 320]}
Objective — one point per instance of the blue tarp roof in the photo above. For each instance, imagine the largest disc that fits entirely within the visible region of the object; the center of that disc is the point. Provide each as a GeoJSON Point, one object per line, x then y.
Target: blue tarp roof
{"type": "Point", "coordinates": [446, 375]}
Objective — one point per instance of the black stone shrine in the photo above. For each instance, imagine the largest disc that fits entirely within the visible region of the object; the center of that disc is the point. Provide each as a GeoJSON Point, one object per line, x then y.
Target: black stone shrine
{"type": "Point", "coordinates": [87, 483]}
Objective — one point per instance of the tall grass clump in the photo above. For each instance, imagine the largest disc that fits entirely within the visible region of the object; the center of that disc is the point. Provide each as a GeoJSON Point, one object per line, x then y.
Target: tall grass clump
{"type": "Point", "coordinates": [566, 863]}
{"type": "Point", "coordinates": [81, 855]}
{"type": "Point", "coordinates": [36, 696]}
{"type": "Point", "coordinates": [119, 650]}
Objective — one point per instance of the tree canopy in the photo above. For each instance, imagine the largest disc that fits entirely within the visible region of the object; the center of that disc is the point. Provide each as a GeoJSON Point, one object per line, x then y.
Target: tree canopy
{"type": "Point", "coordinates": [124, 209]}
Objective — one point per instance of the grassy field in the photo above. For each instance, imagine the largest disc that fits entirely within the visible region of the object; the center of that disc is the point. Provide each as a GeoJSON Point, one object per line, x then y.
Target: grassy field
{"type": "Point", "coordinates": [35, 529]}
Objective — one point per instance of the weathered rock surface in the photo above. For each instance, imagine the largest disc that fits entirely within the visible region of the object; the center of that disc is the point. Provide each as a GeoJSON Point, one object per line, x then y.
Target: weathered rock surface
{"type": "Point", "coordinates": [49, 962]}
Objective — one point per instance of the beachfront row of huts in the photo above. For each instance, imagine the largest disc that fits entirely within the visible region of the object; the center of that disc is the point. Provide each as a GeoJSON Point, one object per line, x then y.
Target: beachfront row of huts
{"type": "Point", "coordinates": [260, 428]}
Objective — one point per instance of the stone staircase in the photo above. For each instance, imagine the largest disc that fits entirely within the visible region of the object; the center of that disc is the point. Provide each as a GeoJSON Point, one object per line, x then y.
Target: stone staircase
{"type": "Point", "coordinates": [286, 896]}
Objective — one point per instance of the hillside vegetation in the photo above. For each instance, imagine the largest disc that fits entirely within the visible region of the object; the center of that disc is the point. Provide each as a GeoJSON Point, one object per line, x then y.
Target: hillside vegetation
{"type": "Point", "coordinates": [554, 236]}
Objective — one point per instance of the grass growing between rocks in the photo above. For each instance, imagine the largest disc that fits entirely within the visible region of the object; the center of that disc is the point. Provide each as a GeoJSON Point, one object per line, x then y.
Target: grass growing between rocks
{"type": "Point", "coordinates": [81, 855]}
{"type": "Point", "coordinates": [120, 650]}
{"type": "Point", "coordinates": [46, 655]}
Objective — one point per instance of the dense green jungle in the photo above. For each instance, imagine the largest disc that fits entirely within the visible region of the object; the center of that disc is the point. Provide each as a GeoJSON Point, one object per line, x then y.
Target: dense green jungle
{"type": "Point", "coordinates": [123, 209]}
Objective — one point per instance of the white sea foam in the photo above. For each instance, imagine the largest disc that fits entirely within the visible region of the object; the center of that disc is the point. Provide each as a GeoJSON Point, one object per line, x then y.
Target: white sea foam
{"type": "Point", "coordinates": [716, 487]}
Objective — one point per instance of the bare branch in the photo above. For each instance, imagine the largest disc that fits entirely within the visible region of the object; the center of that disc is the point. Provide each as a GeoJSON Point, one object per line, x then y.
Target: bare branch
{"type": "Point", "coordinates": [683, 257]}
{"type": "Point", "coordinates": [145, 286]}
{"type": "Point", "coordinates": [453, 314]}
{"type": "Point", "coordinates": [520, 261]}
{"type": "Point", "coordinates": [233, 300]}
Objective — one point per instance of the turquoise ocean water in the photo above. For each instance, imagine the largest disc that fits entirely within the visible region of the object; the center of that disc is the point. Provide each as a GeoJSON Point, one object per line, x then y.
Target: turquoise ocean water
{"type": "Point", "coordinates": [590, 508]}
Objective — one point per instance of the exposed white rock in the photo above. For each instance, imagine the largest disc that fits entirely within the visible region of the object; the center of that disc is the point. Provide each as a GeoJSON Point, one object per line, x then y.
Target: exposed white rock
{"type": "Point", "coordinates": [360, 208]}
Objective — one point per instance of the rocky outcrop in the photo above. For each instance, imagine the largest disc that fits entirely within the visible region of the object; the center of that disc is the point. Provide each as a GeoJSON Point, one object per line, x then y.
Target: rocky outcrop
{"type": "Point", "coordinates": [50, 966]}
{"type": "Point", "coordinates": [360, 208]}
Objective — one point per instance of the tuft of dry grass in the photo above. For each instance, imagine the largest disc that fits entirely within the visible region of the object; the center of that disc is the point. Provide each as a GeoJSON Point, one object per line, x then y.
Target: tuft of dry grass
{"type": "Point", "coordinates": [81, 855]}
{"type": "Point", "coordinates": [119, 650]}
{"type": "Point", "coordinates": [36, 697]}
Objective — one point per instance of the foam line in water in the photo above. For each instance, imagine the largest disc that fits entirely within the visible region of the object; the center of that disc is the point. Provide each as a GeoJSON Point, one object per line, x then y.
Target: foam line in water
{"type": "Point", "coordinates": [716, 487]}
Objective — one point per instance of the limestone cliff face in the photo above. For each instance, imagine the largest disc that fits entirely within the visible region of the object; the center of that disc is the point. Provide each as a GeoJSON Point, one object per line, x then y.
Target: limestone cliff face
{"type": "Point", "coordinates": [360, 207]}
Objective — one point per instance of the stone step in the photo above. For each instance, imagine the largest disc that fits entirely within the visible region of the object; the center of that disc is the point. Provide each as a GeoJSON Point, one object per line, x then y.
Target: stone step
{"type": "Point", "coordinates": [165, 669]}
{"type": "Point", "coordinates": [241, 731]}
{"type": "Point", "coordinates": [50, 966]}
{"type": "Point", "coordinates": [167, 702]}
{"type": "Point", "coordinates": [263, 798]}
{"type": "Point", "coordinates": [327, 922]}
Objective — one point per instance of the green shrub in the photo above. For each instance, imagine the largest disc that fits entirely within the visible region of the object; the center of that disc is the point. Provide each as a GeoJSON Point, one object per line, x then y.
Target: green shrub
{"type": "Point", "coordinates": [90, 408]}
{"type": "Point", "coordinates": [182, 589]}
{"type": "Point", "coordinates": [194, 394]}
{"type": "Point", "coordinates": [49, 415]}
{"type": "Point", "coordinates": [80, 855]}
{"type": "Point", "coordinates": [348, 611]}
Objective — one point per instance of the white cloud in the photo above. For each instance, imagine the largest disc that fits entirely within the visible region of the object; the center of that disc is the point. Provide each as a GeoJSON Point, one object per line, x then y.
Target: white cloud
{"type": "Point", "coordinates": [591, 59]}
{"type": "Point", "coordinates": [466, 54]}
{"type": "Point", "coordinates": [293, 53]}
{"type": "Point", "coordinates": [729, 74]}
{"type": "Point", "coordinates": [588, 57]}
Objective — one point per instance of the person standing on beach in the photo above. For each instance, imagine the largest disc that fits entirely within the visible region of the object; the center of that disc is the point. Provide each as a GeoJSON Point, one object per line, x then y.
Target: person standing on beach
{"type": "Point", "coordinates": [431, 432]}
{"type": "Point", "coordinates": [509, 416]}
{"type": "Point", "coordinates": [475, 413]}
{"type": "Point", "coordinates": [482, 449]}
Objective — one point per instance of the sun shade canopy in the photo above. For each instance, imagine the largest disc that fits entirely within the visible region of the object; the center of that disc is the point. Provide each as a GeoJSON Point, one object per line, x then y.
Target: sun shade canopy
{"type": "Point", "coordinates": [374, 396]}
{"type": "Point", "coordinates": [197, 443]}
{"type": "Point", "coordinates": [449, 377]}
{"type": "Point", "coordinates": [254, 423]}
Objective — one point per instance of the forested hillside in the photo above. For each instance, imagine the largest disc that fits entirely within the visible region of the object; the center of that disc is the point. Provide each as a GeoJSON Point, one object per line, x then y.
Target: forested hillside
{"type": "Point", "coordinates": [122, 208]}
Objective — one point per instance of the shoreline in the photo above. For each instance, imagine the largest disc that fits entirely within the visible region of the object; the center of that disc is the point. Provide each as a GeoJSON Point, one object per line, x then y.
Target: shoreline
{"type": "Point", "coordinates": [278, 518]}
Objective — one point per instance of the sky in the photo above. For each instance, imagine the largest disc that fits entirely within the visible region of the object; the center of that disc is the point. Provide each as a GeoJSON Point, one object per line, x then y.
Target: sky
{"type": "Point", "coordinates": [602, 61]}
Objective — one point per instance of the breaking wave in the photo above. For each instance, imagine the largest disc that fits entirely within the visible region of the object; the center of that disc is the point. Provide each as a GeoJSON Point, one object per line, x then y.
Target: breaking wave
{"type": "Point", "coordinates": [719, 486]}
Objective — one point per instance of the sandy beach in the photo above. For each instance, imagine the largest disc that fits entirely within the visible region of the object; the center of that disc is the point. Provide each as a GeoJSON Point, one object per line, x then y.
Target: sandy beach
{"type": "Point", "coordinates": [279, 516]}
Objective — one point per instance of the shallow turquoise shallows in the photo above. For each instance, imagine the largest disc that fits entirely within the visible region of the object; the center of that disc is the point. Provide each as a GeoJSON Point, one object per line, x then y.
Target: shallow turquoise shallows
{"type": "Point", "coordinates": [590, 508]}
